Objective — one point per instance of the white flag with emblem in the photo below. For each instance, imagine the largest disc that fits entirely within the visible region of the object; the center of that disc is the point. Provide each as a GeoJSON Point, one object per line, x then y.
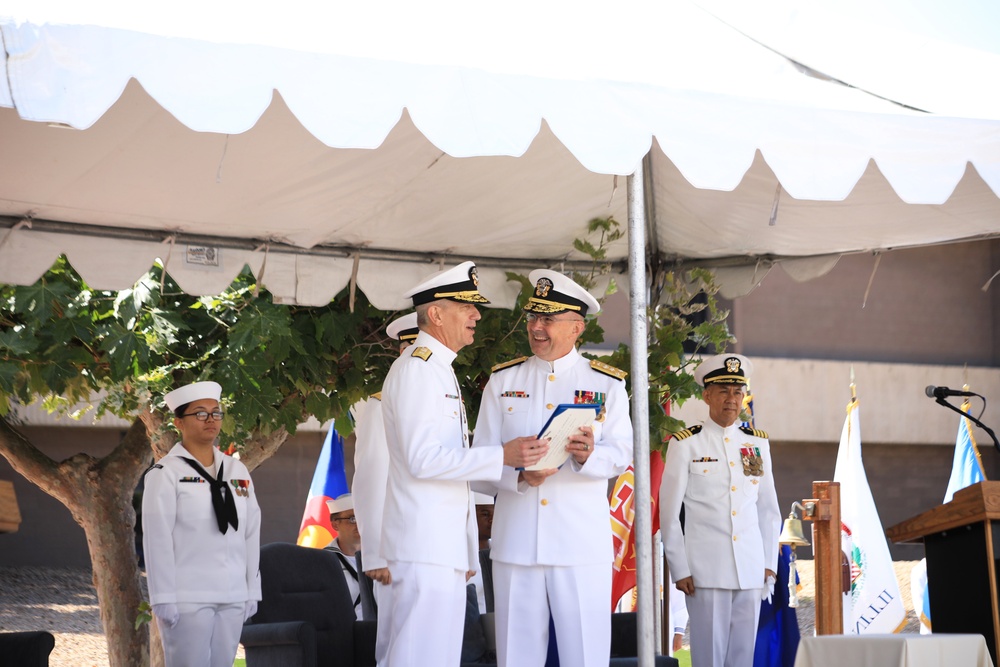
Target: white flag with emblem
{"type": "Point", "coordinates": [874, 605]}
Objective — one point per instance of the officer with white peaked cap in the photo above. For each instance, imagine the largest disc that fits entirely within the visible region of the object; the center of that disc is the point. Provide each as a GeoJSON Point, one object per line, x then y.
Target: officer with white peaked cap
{"type": "Point", "coordinates": [371, 469]}
{"type": "Point", "coordinates": [552, 546]}
{"type": "Point", "coordinates": [725, 559]}
{"type": "Point", "coordinates": [429, 526]}
{"type": "Point", "coordinates": [201, 537]}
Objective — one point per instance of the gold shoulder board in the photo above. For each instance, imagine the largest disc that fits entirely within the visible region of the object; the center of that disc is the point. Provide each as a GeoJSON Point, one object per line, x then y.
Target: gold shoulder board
{"type": "Point", "coordinates": [754, 432]}
{"type": "Point", "coordinates": [422, 352]}
{"type": "Point", "coordinates": [377, 396]}
{"type": "Point", "coordinates": [687, 433]}
{"type": "Point", "coordinates": [509, 364]}
{"type": "Point", "coordinates": [602, 367]}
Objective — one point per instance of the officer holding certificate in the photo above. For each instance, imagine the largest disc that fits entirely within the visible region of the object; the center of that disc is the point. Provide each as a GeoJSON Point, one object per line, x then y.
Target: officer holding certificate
{"type": "Point", "coordinates": [551, 547]}
{"type": "Point", "coordinates": [429, 538]}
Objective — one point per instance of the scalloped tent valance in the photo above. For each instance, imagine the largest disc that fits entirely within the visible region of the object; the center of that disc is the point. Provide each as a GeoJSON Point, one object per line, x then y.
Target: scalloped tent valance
{"type": "Point", "coordinates": [321, 167]}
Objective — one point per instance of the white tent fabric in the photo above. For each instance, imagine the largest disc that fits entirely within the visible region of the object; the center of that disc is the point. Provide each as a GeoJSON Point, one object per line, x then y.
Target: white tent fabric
{"type": "Point", "coordinates": [428, 159]}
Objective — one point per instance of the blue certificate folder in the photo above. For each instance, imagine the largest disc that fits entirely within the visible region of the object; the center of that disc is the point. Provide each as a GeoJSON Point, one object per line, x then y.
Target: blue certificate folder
{"type": "Point", "coordinates": [559, 431]}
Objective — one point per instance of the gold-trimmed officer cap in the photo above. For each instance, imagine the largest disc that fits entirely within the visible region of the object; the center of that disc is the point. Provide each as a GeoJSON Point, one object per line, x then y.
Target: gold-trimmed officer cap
{"type": "Point", "coordinates": [555, 293]}
{"type": "Point", "coordinates": [403, 328]}
{"type": "Point", "coordinates": [460, 283]}
{"type": "Point", "coordinates": [724, 369]}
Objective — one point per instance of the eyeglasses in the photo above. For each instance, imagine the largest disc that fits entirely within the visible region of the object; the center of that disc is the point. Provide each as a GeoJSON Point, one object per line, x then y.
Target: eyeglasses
{"type": "Point", "coordinates": [548, 320]}
{"type": "Point", "coordinates": [351, 519]}
{"type": "Point", "coordinates": [203, 416]}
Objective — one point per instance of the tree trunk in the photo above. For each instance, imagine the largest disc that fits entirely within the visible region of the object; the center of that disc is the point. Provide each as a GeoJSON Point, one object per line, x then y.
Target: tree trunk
{"type": "Point", "coordinates": [98, 493]}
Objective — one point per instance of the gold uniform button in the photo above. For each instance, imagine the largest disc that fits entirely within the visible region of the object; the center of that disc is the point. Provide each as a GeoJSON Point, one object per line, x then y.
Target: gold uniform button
{"type": "Point", "coordinates": [732, 464]}
{"type": "Point", "coordinates": [734, 538]}
{"type": "Point", "coordinates": [705, 471]}
{"type": "Point", "coordinates": [545, 501]}
{"type": "Point", "coordinates": [552, 378]}
{"type": "Point", "coordinates": [734, 488]}
{"type": "Point", "coordinates": [734, 512]}
{"type": "Point", "coordinates": [549, 406]}
{"type": "Point", "coordinates": [726, 439]}
{"type": "Point", "coordinates": [510, 409]}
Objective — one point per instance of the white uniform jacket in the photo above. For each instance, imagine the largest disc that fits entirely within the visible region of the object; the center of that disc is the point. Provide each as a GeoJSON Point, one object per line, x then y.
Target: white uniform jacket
{"type": "Point", "coordinates": [724, 479]}
{"type": "Point", "coordinates": [371, 470]}
{"type": "Point", "coordinates": [566, 520]}
{"type": "Point", "coordinates": [188, 559]}
{"type": "Point", "coordinates": [429, 513]}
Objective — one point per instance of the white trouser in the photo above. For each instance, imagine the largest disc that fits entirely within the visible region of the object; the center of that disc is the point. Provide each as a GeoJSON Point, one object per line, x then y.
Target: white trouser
{"type": "Point", "coordinates": [579, 600]}
{"type": "Point", "coordinates": [383, 598]}
{"type": "Point", "coordinates": [427, 617]}
{"type": "Point", "coordinates": [206, 635]}
{"type": "Point", "coordinates": [723, 626]}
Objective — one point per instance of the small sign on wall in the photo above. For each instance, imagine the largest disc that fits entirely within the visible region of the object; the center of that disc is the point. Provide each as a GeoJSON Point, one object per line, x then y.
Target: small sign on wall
{"type": "Point", "coordinates": [204, 255]}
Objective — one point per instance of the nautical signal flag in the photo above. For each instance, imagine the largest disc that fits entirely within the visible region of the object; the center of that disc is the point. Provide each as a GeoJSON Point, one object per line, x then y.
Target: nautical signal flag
{"type": "Point", "coordinates": [329, 481]}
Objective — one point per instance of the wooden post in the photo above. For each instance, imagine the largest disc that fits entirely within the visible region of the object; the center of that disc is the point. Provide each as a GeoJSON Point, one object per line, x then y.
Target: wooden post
{"type": "Point", "coordinates": [824, 511]}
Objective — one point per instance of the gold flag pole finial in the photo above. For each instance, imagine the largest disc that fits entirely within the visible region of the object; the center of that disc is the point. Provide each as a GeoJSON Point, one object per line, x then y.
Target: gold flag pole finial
{"type": "Point", "coordinates": [854, 389]}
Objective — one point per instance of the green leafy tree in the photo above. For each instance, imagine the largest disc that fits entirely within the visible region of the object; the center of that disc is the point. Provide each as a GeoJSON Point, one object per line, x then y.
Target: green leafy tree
{"type": "Point", "coordinates": [63, 343]}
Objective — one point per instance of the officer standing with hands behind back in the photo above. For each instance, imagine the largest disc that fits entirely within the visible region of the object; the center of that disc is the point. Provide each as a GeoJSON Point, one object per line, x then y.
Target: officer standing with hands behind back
{"type": "Point", "coordinates": [724, 559]}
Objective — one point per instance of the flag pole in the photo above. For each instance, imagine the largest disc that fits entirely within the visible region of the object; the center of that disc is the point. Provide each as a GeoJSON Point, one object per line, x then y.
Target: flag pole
{"type": "Point", "coordinates": [638, 299]}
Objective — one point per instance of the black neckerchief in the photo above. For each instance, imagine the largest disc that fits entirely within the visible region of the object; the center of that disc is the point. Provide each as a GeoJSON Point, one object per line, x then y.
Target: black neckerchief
{"type": "Point", "coordinates": [222, 497]}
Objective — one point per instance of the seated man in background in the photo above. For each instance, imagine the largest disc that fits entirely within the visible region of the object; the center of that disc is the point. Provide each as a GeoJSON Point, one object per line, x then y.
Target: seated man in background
{"type": "Point", "coordinates": [346, 544]}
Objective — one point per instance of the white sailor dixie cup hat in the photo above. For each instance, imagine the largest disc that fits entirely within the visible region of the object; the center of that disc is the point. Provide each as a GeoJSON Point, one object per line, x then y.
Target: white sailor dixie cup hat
{"type": "Point", "coordinates": [555, 293]}
{"type": "Point", "coordinates": [403, 328]}
{"type": "Point", "coordinates": [724, 369]}
{"type": "Point", "coordinates": [482, 498]}
{"type": "Point", "coordinates": [460, 283]}
{"type": "Point", "coordinates": [340, 504]}
{"type": "Point", "coordinates": [193, 392]}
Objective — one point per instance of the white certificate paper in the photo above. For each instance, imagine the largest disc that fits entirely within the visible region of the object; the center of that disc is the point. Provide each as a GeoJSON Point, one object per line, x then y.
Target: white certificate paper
{"type": "Point", "coordinates": [565, 421]}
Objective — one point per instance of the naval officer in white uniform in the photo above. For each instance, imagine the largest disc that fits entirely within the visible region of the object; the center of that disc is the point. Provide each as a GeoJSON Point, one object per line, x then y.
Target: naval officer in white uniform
{"type": "Point", "coordinates": [371, 469]}
{"type": "Point", "coordinates": [552, 549]}
{"type": "Point", "coordinates": [201, 537]}
{"type": "Point", "coordinates": [724, 558]}
{"type": "Point", "coordinates": [429, 534]}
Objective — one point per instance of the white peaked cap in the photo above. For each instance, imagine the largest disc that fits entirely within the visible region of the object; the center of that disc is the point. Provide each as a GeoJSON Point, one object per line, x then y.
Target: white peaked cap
{"type": "Point", "coordinates": [482, 498]}
{"type": "Point", "coordinates": [459, 283]}
{"type": "Point", "coordinates": [193, 392]}
{"type": "Point", "coordinates": [403, 328]}
{"type": "Point", "coordinates": [556, 293]}
{"type": "Point", "coordinates": [340, 504]}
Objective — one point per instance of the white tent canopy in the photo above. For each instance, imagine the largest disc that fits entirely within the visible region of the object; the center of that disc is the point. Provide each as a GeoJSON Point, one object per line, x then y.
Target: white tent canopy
{"type": "Point", "coordinates": [401, 162]}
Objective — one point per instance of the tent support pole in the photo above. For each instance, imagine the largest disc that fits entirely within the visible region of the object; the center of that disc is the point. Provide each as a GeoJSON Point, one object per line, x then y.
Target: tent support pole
{"type": "Point", "coordinates": [642, 526]}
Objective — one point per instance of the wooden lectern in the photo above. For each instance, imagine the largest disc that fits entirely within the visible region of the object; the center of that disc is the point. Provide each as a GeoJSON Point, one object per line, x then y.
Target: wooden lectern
{"type": "Point", "coordinates": [961, 541]}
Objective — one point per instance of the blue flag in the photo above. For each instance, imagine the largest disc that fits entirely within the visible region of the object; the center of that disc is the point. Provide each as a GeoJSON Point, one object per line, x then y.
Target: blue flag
{"type": "Point", "coordinates": [778, 629]}
{"type": "Point", "coordinates": [967, 466]}
{"type": "Point", "coordinates": [329, 482]}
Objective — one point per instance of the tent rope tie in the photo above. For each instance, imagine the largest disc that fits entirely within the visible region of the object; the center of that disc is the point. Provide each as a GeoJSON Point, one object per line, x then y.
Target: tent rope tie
{"type": "Point", "coordinates": [354, 279]}
{"type": "Point", "coordinates": [263, 265]}
{"type": "Point", "coordinates": [614, 189]}
{"type": "Point", "coordinates": [871, 279]}
{"type": "Point", "coordinates": [20, 224]}
{"type": "Point", "coordinates": [170, 251]}
{"type": "Point", "coordinates": [987, 285]}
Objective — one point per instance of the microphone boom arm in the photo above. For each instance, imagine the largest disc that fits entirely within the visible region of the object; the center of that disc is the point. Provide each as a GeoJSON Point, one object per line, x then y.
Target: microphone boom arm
{"type": "Point", "coordinates": [996, 443]}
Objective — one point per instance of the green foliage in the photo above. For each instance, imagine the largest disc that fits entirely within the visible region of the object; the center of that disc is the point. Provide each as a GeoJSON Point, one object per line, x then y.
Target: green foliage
{"type": "Point", "coordinates": [64, 342]}
{"type": "Point", "coordinates": [145, 614]}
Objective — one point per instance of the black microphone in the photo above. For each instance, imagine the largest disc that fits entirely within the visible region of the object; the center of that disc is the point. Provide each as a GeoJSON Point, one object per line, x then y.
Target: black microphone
{"type": "Point", "coordinates": [943, 392]}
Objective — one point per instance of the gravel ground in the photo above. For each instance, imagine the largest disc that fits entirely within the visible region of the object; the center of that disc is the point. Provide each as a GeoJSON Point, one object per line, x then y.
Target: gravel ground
{"type": "Point", "coordinates": [63, 602]}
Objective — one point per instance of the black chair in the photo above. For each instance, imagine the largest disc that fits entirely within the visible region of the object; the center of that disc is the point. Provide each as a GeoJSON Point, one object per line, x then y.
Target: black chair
{"type": "Point", "coordinates": [306, 616]}
{"type": "Point", "coordinates": [26, 649]}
